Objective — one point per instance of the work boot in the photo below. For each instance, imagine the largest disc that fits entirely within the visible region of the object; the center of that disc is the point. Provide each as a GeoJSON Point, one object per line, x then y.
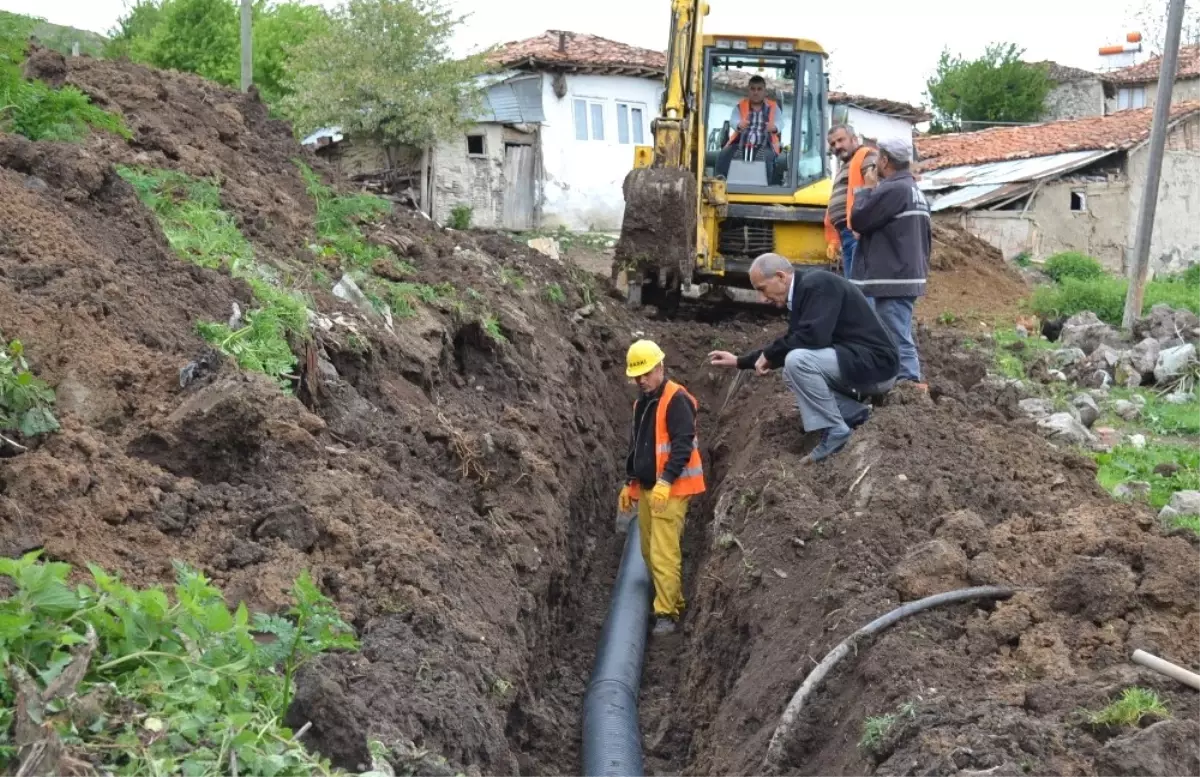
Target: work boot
{"type": "Point", "coordinates": [860, 418]}
{"type": "Point", "coordinates": [833, 440]}
{"type": "Point", "coordinates": [664, 626]}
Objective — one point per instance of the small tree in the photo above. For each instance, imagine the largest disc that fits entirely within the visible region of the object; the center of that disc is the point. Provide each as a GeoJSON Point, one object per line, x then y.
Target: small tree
{"type": "Point", "coordinates": [997, 88]}
{"type": "Point", "coordinates": [383, 69]}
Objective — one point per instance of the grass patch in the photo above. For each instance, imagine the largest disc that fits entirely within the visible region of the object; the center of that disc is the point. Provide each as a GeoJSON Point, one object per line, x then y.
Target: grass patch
{"type": "Point", "coordinates": [1124, 464]}
{"type": "Point", "coordinates": [1189, 522]}
{"type": "Point", "coordinates": [1164, 418]}
{"type": "Point", "coordinates": [1134, 704]}
{"type": "Point", "coordinates": [1011, 358]}
{"type": "Point", "coordinates": [199, 230]}
{"type": "Point", "coordinates": [168, 683]}
{"type": "Point", "coordinates": [401, 297]}
{"type": "Point", "coordinates": [491, 325]}
{"type": "Point", "coordinates": [1072, 264]}
{"type": "Point", "coordinates": [339, 220]}
{"type": "Point", "coordinates": [510, 277]}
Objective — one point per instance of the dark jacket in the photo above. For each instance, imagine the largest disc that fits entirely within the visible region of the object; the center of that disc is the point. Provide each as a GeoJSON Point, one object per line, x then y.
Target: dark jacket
{"type": "Point", "coordinates": [681, 426]}
{"type": "Point", "coordinates": [895, 237]}
{"type": "Point", "coordinates": [830, 312]}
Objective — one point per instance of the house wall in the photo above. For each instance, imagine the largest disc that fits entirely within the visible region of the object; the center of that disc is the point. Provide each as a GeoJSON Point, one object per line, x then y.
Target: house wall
{"type": "Point", "coordinates": [1175, 242]}
{"type": "Point", "coordinates": [1075, 100]}
{"type": "Point", "coordinates": [357, 156]}
{"type": "Point", "coordinates": [1007, 230]}
{"type": "Point", "coordinates": [1098, 230]}
{"type": "Point", "coordinates": [581, 182]}
{"type": "Point", "coordinates": [463, 179]}
{"type": "Point", "coordinates": [1183, 89]}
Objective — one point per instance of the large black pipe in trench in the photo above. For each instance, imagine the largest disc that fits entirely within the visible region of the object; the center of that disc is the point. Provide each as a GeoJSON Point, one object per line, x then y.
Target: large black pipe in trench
{"type": "Point", "coordinates": [612, 739]}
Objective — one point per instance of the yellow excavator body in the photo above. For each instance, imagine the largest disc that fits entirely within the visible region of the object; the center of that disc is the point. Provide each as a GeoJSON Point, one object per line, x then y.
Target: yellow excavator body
{"type": "Point", "coordinates": [702, 202]}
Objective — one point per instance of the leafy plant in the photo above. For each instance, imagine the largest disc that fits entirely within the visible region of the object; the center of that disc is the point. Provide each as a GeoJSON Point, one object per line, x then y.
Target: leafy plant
{"type": "Point", "coordinates": [25, 400]}
{"type": "Point", "coordinates": [1134, 704]}
{"type": "Point", "coordinates": [1072, 264]}
{"type": "Point", "coordinates": [510, 277]}
{"type": "Point", "coordinates": [173, 684]}
{"type": "Point", "coordinates": [491, 325]}
{"type": "Point", "coordinates": [460, 217]}
{"type": "Point", "coordinates": [1105, 296]}
{"type": "Point", "coordinates": [554, 293]}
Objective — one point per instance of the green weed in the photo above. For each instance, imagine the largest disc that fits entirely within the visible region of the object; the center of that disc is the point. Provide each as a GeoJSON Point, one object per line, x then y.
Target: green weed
{"type": "Point", "coordinates": [554, 293]}
{"type": "Point", "coordinates": [339, 217]}
{"type": "Point", "coordinates": [25, 400]}
{"type": "Point", "coordinates": [401, 297]}
{"type": "Point", "coordinates": [460, 217]}
{"type": "Point", "coordinates": [1105, 296]}
{"type": "Point", "coordinates": [510, 277]}
{"type": "Point", "coordinates": [199, 230]}
{"type": "Point", "coordinates": [39, 112]}
{"type": "Point", "coordinates": [1022, 260]}
{"type": "Point", "coordinates": [1134, 704]}
{"type": "Point", "coordinates": [877, 728]}
{"type": "Point", "coordinates": [491, 325]}
{"type": "Point", "coordinates": [174, 683]}
{"type": "Point", "coordinates": [1189, 522]}
{"type": "Point", "coordinates": [1072, 264]}
{"type": "Point", "coordinates": [947, 318]}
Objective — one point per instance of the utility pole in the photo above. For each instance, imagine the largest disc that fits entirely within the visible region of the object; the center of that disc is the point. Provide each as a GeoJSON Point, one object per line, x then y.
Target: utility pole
{"type": "Point", "coordinates": [247, 57]}
{"type": "Point", "coordinates": [1140, 261]}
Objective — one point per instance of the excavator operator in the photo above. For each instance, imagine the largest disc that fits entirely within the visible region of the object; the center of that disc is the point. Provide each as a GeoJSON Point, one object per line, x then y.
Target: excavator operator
{"type": "Point", "coordinates": [756, 122]}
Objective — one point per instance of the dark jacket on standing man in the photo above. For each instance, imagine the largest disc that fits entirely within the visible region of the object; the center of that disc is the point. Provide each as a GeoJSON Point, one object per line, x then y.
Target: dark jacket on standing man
{"type": "Point", "coordinates": [895, 238]}
{"type": "Point", "coordinates": [681, 426]}
{"type": "Point", "coordinates": [827, 311]}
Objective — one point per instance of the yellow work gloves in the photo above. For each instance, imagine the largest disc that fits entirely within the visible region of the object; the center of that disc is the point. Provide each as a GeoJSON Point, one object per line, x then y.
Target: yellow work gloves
{"type": "Point", "coordinates": [660, 495]}
{"type": "Point", "coordinates": [625, 500]}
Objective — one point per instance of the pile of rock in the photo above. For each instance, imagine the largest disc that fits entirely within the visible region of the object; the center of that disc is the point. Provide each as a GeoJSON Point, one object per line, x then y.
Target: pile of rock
{"type": "Point", "coordinates": [1096, 355]}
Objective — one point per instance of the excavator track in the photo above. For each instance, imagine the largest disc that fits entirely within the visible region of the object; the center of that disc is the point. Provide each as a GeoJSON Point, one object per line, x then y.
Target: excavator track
{"type": "Point", "coordinates": [657, 246]}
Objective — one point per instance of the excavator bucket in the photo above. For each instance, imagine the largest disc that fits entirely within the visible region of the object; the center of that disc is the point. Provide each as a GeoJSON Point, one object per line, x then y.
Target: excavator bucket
{"type": "Point", "coordinates": [657, 246]}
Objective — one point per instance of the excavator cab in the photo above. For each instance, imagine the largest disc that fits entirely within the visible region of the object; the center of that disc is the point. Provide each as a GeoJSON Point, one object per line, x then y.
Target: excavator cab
{"type": "Point", "coordinates": [710, 196]}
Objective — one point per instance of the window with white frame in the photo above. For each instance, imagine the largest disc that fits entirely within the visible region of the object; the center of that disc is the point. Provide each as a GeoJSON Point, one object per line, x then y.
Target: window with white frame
{"type": "Point", "coordinates": [1131, 97]}
{"type": "Point", "coordinates": [631, 127]}
{"type": "Point", "coordinates": [589, 119]}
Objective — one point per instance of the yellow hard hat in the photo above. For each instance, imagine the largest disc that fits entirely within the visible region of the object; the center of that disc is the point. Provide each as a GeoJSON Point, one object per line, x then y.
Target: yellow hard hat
{"type": "Point", "coordinates": [643, 356]}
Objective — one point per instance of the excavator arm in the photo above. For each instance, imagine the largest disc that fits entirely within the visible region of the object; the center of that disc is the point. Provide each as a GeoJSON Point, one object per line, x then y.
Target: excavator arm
{"type": "Point", "coordinates": [657, 246]}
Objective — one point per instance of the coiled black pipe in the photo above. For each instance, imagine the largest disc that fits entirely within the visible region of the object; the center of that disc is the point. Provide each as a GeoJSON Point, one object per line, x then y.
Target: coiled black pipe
{"type": "Point", "coordinates": [612, 739]}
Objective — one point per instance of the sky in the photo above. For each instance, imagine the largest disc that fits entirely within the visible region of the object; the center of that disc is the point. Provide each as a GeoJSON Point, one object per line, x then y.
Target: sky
{"type": "Point", "coordinates": [884, 49]}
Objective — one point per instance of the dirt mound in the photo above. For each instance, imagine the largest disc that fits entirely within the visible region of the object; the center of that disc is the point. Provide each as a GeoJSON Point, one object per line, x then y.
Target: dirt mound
{"type": "Point", "coordinates": [969, 280]}
{"type": "Point", "coordinates": [439, 478]}
{"type": "Point", "coordinates": [936, 492]}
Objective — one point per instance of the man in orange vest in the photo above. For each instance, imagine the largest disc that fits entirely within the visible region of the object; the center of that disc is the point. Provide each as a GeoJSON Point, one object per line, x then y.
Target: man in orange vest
{"type": "Point", "coordinates": [856, 160]}
{"type": "Point", "coordinates": [755, 120]}
{"type": "Point", "coordinates": [664, 459]}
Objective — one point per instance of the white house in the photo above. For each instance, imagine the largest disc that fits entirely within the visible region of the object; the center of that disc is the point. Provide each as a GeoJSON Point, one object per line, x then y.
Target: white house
{"type": "Point", "coordinates": [554, 139]}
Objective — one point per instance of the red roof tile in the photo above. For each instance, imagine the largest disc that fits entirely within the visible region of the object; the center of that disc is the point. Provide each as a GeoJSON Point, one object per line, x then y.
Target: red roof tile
{"type": "Point", "coordinates": [1146, 72]}
{"type": "Point", "coordinates": [561, 49]}
{"type": "Point", "coordinates": [1118, 131]}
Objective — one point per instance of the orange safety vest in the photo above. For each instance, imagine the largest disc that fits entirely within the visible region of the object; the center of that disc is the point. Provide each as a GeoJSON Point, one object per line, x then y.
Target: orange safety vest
{"type": "Point", "coordinates": [691, 481]}
{"type": "Point", "coordinates": [744, 114]}
{"type": "Point", "coordinates": [832, 238]}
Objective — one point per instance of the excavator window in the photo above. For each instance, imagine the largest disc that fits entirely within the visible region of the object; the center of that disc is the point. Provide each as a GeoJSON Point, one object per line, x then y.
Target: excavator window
{"type": "Point", "coordinates": [751, 153]}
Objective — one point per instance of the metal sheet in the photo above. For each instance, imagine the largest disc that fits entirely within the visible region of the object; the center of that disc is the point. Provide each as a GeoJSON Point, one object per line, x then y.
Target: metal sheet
{"type": "Point", "coordinates": [1011, 171]}
{"type": "Point", "coordinates": [517, 101]}
{"type": "Point", "coordinates": [969, 197]}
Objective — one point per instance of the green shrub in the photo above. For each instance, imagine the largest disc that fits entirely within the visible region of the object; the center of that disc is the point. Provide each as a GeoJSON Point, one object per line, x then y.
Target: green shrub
{"type": "Point", "coordinates": [1191, 276]}
{"type": "Point", "coordinates": [24, 399]}
{"type": "Point", "coordinates": [460, 217]}
{"type": "Point", "coordinates": [1072, 264]}
{"type": "Point", "coordinates": [1105, 296]}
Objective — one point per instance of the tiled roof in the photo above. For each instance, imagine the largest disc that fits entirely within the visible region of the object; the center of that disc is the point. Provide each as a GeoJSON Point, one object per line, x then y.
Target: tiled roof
{"type": "Point", "coordinates": [1118, 131]}
{"type": "Point", "coordinates": [880, 105]}
{"type": "Point", "coordinates": [579, 52]}
{"type": "Point", "coordinates": [1146, 72]}
{"type": "Point", "coordinates": [1064, 74]}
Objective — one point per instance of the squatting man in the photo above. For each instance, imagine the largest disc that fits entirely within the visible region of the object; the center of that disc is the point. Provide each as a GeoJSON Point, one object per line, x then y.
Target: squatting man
{"type": "Point", "coordinates": [664, 460]}
{"type": "Point", "coordinates": [835, 352]}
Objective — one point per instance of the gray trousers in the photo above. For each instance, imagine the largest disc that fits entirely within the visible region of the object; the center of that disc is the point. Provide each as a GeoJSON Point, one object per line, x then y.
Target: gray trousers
{"type": "Point", "coordinates": [822, 395]}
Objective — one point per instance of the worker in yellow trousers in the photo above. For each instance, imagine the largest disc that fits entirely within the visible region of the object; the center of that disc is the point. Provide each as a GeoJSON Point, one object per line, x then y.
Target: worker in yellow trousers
{"type": "Point", "coordinates": [664, 459]}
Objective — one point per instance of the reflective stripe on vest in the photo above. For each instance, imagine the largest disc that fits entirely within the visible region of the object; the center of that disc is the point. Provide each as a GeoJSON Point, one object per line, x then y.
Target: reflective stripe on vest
{"type": "Point", "coordinates": [691, 480]}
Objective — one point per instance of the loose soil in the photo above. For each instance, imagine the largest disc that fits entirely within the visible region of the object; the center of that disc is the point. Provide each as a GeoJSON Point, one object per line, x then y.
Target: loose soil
{"type": "Point", "coordinates": [454, 493]}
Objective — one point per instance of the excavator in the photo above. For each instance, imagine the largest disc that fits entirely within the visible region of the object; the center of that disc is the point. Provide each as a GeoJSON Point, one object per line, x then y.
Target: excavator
{"type": "Point", "coordinates": [688, 226]}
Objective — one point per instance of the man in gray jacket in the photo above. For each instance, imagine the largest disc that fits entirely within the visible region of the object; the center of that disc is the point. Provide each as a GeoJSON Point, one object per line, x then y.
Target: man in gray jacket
{"type": "Point", "coordinates": [895, 231]}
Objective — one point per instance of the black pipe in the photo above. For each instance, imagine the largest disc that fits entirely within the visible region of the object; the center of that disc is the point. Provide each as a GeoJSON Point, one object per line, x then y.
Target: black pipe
{"type": "Point", "coordinates": [612, 739]}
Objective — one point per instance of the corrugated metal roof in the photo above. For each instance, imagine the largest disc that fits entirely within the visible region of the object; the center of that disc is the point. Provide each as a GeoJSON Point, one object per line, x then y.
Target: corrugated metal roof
{"type": "Point", "coordinates": [517, 101]}
{"type": "Point", "coordinates": [972, 186]}
{"type": "Point", "coordinates": [333, 134]}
